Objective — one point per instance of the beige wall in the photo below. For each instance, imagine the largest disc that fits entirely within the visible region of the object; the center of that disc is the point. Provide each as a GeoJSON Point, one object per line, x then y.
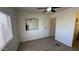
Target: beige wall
{"type": "Point", "coordinates": [13, 44]}
{"type": "Point", "coordinates": [77, 19]}
{"type": "Point", "coordinates": [44, 30]}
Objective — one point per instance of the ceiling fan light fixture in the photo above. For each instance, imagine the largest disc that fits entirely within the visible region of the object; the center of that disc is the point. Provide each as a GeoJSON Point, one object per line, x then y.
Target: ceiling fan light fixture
{"type": "Point", "coordinates": [49, 9]}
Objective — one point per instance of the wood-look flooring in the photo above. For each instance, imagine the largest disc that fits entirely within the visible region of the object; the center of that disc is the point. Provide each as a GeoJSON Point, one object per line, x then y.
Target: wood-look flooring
{"type": "Point", "coordinates": [44, 44]}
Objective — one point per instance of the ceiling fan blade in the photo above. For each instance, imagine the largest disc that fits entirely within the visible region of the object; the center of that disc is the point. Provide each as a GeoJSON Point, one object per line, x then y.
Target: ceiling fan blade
{"type": "Point", "coordinates": [55, 7]}
{"type": "Point", "coordinates": [44, 11]}
{"type": "Point", "coordinates": [53, 10]}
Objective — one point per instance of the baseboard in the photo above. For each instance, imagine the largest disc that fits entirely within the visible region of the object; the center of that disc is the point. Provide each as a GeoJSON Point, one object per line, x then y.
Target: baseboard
{"type": "Point", "coordinates": [36, 39]}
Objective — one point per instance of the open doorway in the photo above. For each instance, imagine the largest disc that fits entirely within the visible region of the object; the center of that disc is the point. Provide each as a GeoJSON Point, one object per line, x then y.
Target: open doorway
{"type": "Point", "coordinates": [76, 32]}
{"type": "Point", "coordinates": [52, 27]}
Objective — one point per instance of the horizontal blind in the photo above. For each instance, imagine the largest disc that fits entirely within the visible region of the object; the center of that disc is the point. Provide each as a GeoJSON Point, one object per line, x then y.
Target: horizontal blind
{"type": "Point", "coordinates": [5, 29]}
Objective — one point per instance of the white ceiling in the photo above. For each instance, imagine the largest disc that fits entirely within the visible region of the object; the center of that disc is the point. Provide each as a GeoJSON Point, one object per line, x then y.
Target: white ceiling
{"type": "Point", "coordinates": [35, 10]}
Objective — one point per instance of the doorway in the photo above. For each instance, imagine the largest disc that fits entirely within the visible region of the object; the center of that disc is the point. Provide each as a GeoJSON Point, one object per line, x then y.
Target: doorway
{"type": "Point", "coordinates": [52, 27]}
{"type": "Point", "coordinates": [76, 32]}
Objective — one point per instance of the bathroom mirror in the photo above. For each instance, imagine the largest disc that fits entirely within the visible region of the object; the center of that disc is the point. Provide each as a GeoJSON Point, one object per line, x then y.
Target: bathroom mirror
{"type": "Point", "coordinates": [31, 24]}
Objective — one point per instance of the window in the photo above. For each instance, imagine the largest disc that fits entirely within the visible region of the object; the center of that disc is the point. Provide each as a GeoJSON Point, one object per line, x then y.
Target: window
{"type": "Point", "coordinates": [5, 29]}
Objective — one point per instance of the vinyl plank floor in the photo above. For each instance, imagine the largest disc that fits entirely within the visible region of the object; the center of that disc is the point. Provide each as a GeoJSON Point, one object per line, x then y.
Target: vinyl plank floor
{"type": "Point", "coordinates": [44, 44]}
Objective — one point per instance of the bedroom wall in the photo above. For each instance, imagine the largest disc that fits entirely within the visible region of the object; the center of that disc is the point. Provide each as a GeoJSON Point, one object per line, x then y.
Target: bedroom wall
{"type": "Point", "coordinates": [65, 25]}
{"type": "Point", "coordinates": [44, 26]}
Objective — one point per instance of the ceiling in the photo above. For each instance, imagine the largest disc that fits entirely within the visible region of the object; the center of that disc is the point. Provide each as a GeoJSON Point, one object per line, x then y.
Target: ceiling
{"type": "Point", "coordinates": [35, 10]}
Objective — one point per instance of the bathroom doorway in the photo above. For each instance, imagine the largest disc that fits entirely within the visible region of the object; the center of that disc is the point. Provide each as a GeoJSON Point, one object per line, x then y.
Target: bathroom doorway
{"type": "Point", "coordinates": [52, 27]}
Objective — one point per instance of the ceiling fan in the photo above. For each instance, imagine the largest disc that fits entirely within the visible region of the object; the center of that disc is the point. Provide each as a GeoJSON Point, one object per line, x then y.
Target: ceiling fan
{"type": "Point", "coordinates": [52, 9]}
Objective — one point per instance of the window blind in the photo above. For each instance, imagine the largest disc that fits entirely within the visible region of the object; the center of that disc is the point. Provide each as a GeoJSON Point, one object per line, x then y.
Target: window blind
{"type": "Point", "coordinates": [5, 29]}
